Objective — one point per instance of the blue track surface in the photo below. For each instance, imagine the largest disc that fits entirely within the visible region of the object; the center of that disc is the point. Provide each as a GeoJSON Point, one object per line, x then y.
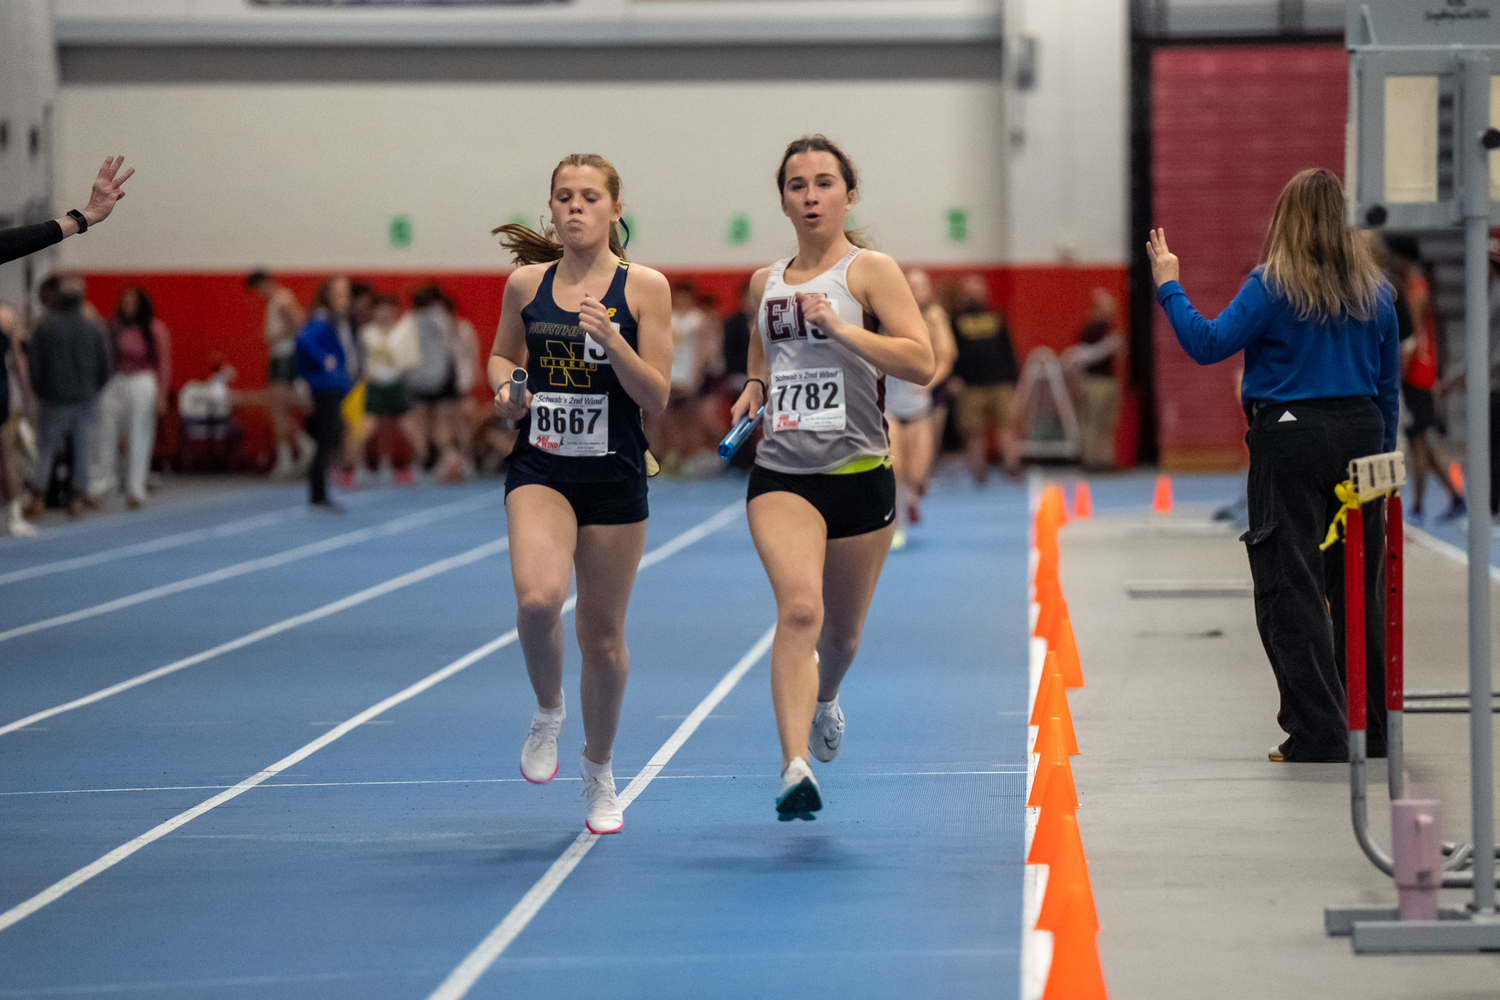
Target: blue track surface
{"type": "Point", "coordinates": [374, 866]}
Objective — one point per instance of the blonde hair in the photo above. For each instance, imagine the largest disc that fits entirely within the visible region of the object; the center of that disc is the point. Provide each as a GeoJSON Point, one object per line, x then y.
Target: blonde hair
{"type": "Point", "coordinates": [1323, 267]}
{"type": "Point", "coordinates": [822, 144]}
{"type": "Point", "coordinates": [528, 246]}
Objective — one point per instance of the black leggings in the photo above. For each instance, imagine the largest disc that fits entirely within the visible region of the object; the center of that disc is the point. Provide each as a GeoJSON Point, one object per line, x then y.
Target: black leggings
{"type": "Point", "coordinates": [1299, 591]}
{"type": "Point", "coordinates": [326, 425]}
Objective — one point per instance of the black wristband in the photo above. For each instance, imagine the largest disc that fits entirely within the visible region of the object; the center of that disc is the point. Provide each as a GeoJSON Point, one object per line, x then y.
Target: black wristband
{"type": "Point", "coordinates": [764, 390]}
{"type": "Point", "coordinates": [78, 217]}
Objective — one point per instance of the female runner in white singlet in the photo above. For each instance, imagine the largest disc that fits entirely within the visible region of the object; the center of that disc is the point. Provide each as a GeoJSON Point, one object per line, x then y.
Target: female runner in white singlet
{"type": "Point", "coordinates": [910, 409]}
{"type": "Point", "coordinates": [834, 320]}
{"type": "Point", "coordinates": [594, 335]}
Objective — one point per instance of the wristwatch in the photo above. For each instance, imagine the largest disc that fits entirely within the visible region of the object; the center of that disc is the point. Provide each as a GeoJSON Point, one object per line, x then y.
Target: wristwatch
{"type": "Point", "coordinates": [78, 217]}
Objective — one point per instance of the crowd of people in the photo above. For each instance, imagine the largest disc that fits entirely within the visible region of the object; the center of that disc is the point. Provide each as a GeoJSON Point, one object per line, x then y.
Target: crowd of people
{"type": "Point", "coordinates": [385, 388]}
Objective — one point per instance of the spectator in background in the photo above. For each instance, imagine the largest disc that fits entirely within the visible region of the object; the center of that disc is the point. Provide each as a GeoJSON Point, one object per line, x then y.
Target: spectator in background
{"type": "Point", "coordinates": [1090, 367]}
{"type": "Point", "coordinates": [986, 373]}
{"type": "Point", "coordinates": [1458, 379]}
{"type": "Point", "coordinates": [69, 362]}
{"type": "Point", "coordinates": [432, 422]}
{"type": "Point", "coordinates": [909, 408]}
{"type": "Point", "coordinates": [319, 358]}
{"type": "Point", "coordinates": [356, 315]}
{"type": "Point", "coordinates": [16, 407]}
{"type": "Point", "coordinates": [465, 349]}
{"type": "Point", "coordinates": [134, 397]}
{"type": "Point", "coordinates": [681, 432]}
{"type": "Point", "coordinates": [284, 317]}
{"type": "Point", "coordinates": [734, 338]}
{"type": "Point", "coordinates": [390, 352]}
{"type": "Point", "coordinates": [1419, 376]}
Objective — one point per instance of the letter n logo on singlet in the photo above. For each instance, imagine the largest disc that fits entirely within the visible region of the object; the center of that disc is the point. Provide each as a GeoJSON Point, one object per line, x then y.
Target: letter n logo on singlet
{"type": "Point", "coordinates": [566, 369]}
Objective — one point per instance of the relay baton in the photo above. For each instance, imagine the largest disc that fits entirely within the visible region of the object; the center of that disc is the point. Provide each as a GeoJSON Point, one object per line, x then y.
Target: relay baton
{"type": "Point", "coordinates": [518, 385]}
{"type": "Point", "coordinates": [739, 434]}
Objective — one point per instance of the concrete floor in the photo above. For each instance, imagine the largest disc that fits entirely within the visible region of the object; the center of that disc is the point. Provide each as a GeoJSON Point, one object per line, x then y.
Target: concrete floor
{"type": "Point", "coordinates": [1210, 865]}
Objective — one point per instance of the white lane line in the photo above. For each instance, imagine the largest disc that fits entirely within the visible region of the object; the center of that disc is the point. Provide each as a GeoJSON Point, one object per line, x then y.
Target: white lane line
{"type": "Point", "coordinates": [301, 552]}
{"type": "Point", "coordinates": [1434, 544]}
{"type": "Point", "coordinates": [458, 781]}
{"type": "Point", "coordinates": [59, 889]}
{"type": "Point", "coordinates": [224, 530]}
{"type": "Point", "coordinates": [463, 978]}
{"type": "Point", "coordinates": [286, 624]}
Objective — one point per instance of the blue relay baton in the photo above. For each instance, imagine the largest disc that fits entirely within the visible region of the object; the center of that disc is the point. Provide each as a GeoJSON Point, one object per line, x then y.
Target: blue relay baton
{"type": "Point", "coordinates": [739, 435]}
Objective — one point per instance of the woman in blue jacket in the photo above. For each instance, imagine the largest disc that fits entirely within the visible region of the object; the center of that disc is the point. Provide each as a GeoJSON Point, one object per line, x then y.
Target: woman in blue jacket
{"type": "Point", "coordinates": [1317, 323]}
{"type": "Point", "coordinates": [321, 364]}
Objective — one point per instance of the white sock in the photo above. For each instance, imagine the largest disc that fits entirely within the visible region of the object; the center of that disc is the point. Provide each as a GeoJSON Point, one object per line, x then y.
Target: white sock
{"type": "Point", "coordinates": [830, 704]}
{"type": "Point", "coordinates": [794, 762]}
{"type": "Point", "coordinates": [598, 770]}
{"type": "Point", "coordinates": [558, 712]}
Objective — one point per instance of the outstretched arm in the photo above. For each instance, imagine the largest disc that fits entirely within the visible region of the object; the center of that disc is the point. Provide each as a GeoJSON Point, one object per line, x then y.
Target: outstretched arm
{"type": "Point", "coordinates": [1206, 341]}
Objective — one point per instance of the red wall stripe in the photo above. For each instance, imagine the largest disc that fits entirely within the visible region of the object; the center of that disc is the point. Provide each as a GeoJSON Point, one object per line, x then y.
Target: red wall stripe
{"type": "Point", "coordinates": [214, 320]}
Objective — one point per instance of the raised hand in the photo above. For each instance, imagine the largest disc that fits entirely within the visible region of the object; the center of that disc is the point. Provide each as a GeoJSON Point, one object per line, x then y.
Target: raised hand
{"type": "Point", "coordinates": [108, 189]}
{"type": "Point", "coordinates": [1164, 264]}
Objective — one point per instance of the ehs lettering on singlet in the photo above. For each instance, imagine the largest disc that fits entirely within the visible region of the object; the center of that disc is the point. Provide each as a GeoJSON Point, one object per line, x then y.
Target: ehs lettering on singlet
{"type": "Point", "coordinates": [785, 320]}
{"type": "Point", "coordinates": [572, 424]}
{"type": "Point", "coordinates": [807, 399]}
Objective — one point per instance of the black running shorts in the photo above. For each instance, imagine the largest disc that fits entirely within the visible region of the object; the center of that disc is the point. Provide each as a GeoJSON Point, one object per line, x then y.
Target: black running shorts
{"type": "Point", "coordinates": [851, 503]}
{"type": "Point", "coordinates": [619, 502]}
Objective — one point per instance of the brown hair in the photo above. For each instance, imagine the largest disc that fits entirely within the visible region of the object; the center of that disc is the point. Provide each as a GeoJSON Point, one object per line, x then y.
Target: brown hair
{"type": "Point", "coordinates": [819, 143]}
{"type": "Point", "coordinates": [1323, 267]}
{"type": "Point", "coordinates": [323, 297]}
{"type": "Point", "coordinates": [529, 246]}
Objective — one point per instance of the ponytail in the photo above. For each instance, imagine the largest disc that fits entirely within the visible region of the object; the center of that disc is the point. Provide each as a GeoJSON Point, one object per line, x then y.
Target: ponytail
{"type": "Point", "coordinates": [527, 246]}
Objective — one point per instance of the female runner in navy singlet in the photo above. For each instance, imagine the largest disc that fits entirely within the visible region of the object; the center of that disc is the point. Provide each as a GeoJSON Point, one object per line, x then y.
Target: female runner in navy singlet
{"type": "Point", "coordinates": [594, 335]}
{"type": "Point", "coordinates": [834, 320]}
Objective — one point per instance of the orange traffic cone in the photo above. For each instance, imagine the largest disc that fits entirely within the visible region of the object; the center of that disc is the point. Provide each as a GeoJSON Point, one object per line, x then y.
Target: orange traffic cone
{"type": "Point", "coordinates": [1067, 874]}
{"type": "Point", "coordinates": [1051, 763]}
{"type": "Point", "coordinates": [1051, 669]}
{"type": "Point", "coordinates": [1059, 799]}
{"type": "Point", "coordinates": [1161, 503]}
{"type": "Point", "coordinates": [1053, 609]}
{"type": "Point", "coordinates": [1075, 973]}
{"type": "Point", "coordinates": [1456, 477]}
{"type": "Point", "coordinates": [1083, 501]}
{"type": "Point", "coordinates": [1067, 653]}
{"type": "Point", "coordinates": [1052, 733]}
{"type": "Point", "coordinates": [1046, 567]}
{"type": "Point", "coordinates": [1052, 703]}
{"type": "Point", "coordinates": [1054, 501]}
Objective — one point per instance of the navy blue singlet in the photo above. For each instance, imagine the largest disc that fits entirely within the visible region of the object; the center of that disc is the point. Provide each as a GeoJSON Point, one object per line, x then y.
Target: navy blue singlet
{"type": "Point", "coordinates": [583, 426]}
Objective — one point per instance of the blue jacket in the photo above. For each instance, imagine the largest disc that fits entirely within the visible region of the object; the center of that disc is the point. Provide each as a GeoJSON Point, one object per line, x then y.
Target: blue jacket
{"type": "Point", "coordinates": [1287, 358]}
{"type": "Point", "coordinates": [320, 356]}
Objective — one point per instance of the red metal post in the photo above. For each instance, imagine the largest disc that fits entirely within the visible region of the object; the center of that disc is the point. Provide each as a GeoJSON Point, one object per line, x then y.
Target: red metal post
{"type": "Point", "coordinates": [1354, 616]}
{"type": "Point", "coordinates": [1395, 587]}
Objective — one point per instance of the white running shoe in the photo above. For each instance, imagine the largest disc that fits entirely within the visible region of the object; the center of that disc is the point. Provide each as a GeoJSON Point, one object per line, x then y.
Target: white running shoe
{"type": "Point", "coordinates": [799, 797]}
{"type": "Point", "coordinates": [827, 730]}
{"type": "Point", "coordinates": [603, 811]}
{"type": "Point", "coordinates": [539, 755]}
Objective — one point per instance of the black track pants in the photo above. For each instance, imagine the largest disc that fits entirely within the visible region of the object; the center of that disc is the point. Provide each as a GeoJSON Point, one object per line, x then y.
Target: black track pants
{"type": "Point", "coordinates": [1295, 462]}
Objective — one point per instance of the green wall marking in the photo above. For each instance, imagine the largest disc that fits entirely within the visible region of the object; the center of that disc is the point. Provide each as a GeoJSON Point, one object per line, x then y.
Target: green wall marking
{"type": "Point", "coordinates": [958, 225]}
{"type": "Point", "coordinates": [400, 231]}
{"type": "Point", "coordinates": [739, 229]}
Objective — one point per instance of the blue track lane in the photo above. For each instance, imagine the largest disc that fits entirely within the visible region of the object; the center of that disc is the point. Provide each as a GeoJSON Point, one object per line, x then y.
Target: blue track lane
{"type": "Point", "coordinates": [373, 867]}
